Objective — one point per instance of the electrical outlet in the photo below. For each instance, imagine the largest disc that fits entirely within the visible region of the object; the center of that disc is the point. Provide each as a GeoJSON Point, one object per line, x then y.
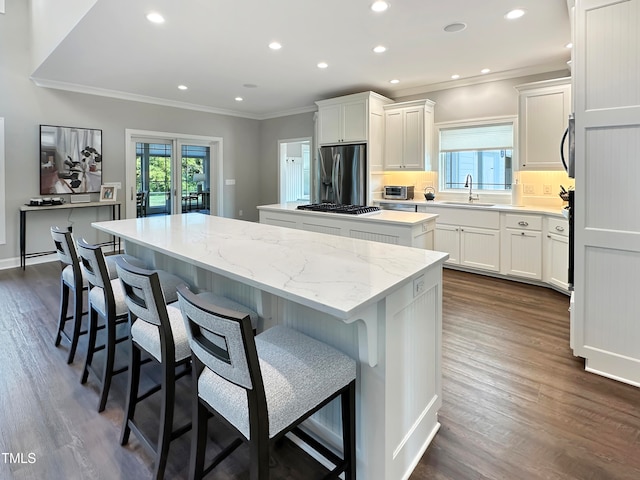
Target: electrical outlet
{"type": "Point", "coordinates": [547, 190]}
{"type": "Point", "coordinates": [418, 285]}
{"type": "Point", "coordinates": [240, 213]}
{"type": "Point", "coordinates": [529, 189]}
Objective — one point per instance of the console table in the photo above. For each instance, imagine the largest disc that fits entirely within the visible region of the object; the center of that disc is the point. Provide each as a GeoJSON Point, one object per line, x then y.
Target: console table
{"type": "Point", "coordinates": [115, 210]}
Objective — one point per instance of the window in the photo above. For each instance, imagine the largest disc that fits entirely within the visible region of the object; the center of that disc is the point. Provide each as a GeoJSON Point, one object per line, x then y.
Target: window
{"type": "Point", "coordinates": [482, 149]}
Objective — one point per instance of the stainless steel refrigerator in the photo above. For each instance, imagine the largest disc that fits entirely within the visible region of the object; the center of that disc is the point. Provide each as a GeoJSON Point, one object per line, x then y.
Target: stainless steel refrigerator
{"type": "Point", "coordinates": [341, 175]}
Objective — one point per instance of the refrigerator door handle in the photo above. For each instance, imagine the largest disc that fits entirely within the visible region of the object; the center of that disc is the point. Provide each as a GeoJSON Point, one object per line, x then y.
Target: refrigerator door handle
{"type": "Point", "coordinates": [337, 177]}
{"type": "Point", "coordinates": [562, 142]}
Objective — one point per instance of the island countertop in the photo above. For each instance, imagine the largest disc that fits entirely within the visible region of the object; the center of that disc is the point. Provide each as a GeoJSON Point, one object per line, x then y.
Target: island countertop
{"type": "Point", "coordinates": [383, 216]}
{"type": "Point", "coordinates": [332, 274]}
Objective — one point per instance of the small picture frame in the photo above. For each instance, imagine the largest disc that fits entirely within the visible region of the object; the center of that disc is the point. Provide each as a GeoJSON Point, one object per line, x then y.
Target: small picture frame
{"type": "Point", "coordinates": [108, 193]}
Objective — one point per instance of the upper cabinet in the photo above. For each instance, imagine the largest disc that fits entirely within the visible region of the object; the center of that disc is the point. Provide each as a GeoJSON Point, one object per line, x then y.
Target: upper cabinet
{"type": "Point", "coordinates": [408, 135]}
{"type": "Point", "coordinates": [346, 119]}
{"type": "Point", "coordinates": [543, 112]}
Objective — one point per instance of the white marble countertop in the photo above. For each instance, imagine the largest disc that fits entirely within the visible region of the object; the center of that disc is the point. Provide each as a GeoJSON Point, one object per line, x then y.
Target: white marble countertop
{"type": "Point", "coordinates": [541, 209]}
{"type": "Point", "coordinates": [383, 216]}
{"type": "Point", "coordinates": [332, 274]}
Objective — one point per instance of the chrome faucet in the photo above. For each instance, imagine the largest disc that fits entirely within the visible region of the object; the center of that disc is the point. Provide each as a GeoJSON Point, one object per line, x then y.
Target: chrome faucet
{"type": "Point", "coordinates": [469, 183]}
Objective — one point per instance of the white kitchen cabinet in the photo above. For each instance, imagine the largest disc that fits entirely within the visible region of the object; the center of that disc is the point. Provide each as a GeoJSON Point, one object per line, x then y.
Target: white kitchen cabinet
{"type": "Point", "coordinates": [556, 253]}
{"type": "Point", "coordinates": [522, 246]}
{"type": "Point", "coordinates": [408, 135]}
{"type": "Point", "coordinates": [448, 240]}
{"type": "Point", "coordinates": [543, 112]}
{"type": "Point", "coordinates": [346, 119]}
{"type": "Point", "coordinates": [470, 237]}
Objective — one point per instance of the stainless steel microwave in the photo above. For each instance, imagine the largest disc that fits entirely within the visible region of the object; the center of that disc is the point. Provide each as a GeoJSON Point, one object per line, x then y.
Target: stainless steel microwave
{"type": "Point", "coordinates": [399, 192]}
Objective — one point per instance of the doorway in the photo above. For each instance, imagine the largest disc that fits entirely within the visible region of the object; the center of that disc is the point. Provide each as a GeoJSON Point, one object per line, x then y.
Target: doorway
{"type": "Point", "coordinates": [173, 173]}
{"type": "Point", "coordinates": [294, 165]}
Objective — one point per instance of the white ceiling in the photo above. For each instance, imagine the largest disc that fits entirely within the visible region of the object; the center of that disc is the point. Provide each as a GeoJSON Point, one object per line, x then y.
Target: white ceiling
{"type": "Point", "coordinates": [215, 47]}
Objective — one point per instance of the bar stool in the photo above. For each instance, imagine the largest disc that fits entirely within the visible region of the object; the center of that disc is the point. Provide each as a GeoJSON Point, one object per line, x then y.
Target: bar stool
{"type": "Point", "coordinates": [262, 386]}
{"type": "Point", "coordinates": [106, 300]}
{"type": "Point", "coordinates": [158, 330]}
{"type": "Point", "coordinates": [72, 281]}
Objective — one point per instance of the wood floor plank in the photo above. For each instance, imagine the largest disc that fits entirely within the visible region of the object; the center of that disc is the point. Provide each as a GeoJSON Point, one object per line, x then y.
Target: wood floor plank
{"type": "Point", "coordinates": [516, 404]}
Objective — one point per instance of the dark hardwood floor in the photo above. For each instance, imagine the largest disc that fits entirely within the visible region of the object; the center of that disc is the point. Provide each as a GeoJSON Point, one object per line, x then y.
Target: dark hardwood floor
{"type": "Point", "coordinates": [516, 403]}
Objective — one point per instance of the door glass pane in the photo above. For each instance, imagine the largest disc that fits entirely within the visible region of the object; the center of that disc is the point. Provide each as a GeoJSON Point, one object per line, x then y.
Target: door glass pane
{"type": "Point", "coordinates": [195, 178]}
{"type": "Point", "coordinates": [153, 178]}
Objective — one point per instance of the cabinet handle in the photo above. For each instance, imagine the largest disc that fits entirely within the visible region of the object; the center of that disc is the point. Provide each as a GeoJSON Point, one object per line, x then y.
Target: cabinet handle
{"type": "Point", "coordinates": [523, 223]}
{"type": "Point", "coordinates": [522, 233]}
{"type": "Point", "coordinates": [559, 228]}
{"type": "Point", "coordinates": [548, 236]}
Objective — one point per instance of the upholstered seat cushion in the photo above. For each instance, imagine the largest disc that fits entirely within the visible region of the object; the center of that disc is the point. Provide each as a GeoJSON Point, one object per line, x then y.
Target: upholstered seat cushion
{"type": "Point", "coordinates": [298, 373]}
{"type": "Point", "coordinates": [229, 304]}
{"type": "Point", "coordinates": [97, 300]}
{"type": "Point", "coordinates": [67, 277]}
{"type": "Point", "coordinates": [147, 335]}
{"type": "Point", "coordinates": [110, 260]}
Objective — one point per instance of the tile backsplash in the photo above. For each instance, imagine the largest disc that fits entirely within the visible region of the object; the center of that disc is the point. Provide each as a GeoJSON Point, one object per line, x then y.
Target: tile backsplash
{"type": "Point", "coordinates": [540, 188]}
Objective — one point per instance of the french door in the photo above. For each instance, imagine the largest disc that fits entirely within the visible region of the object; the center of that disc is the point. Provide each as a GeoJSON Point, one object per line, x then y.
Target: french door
{"type": "Point", "coordinates": [171, 174]}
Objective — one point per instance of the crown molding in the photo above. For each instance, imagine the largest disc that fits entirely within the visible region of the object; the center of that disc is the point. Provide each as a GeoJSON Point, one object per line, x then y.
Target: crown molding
{"type": "Point", "coordinates": [103, 92]}
{"type": "Point", "coordinates": [491, 77]}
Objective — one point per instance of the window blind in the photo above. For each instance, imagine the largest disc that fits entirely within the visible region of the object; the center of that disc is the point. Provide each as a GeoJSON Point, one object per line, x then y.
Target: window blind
{"type": "Point", "coordinates": [486, 137]}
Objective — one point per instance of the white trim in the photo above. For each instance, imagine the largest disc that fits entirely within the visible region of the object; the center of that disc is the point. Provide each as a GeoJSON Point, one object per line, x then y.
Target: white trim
{"type": "Point", "coordinates": [3, 213]}
{"type": "Point", "coordinates": [280, 170]}
{"type": "Point", "coordinates": [132, 97]}
{"type": "Point", "coordinates": [133, 135]}
{"type": "Point", "coordinates": [1, 6]}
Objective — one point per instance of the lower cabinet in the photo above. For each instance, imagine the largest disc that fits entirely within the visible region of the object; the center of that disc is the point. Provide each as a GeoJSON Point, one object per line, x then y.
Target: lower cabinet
{"type": "Point", "coordinates": [556, 253]}
{"type": "Point", "coordinates": [522, 246]}
{"type": "Point", "coordinates": [469, 246]}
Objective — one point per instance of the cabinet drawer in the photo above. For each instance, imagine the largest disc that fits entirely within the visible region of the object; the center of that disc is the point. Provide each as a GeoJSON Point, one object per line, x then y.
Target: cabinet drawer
{"type": "Point", "coordinates": [523, 222]}
{"type": "Point", "coordinates": [558, 226]}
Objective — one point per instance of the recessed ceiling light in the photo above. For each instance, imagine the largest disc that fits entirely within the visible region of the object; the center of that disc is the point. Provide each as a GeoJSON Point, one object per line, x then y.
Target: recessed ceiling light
{"type": "Point", "coordinates": [485, 70]}
{"type": "Point", "coordinates": [513, 14]}
{"type": "Point", "coordinates": [239, 99]}
{"type": "Point", "coordinates": [395, 80]}
{"type": "Point", "coordinates": [379, 6]}
{"type": "Point", "coordinates": [323, 65]}
{"type": "Point", "coordinates": [154, 17]}
{"type": "Point", "coordinates": [380, 49]}
{"type": "Point", "coordinates": [455, 76]}
{"type": "Point", "coordinates": [455, 27]}
{"type": "Point", "coordinates": [275, 46]}
{"type": "Point", "coordinates": [569, 45]}
{"type": "Point", "coordinates": [182, 87]}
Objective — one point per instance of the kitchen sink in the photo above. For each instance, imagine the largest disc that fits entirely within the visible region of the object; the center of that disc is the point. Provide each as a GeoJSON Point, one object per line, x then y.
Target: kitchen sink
{"type": "Point", "coordinates": [469, 204]}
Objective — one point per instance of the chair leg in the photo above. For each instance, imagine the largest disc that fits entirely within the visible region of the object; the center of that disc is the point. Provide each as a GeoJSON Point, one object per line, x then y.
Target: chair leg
{"type": "Point", "coordinates": [259, 451]}
{"type": "Point", "coordinates": [348, 407]}
{"type": "Point", "coordinates": [77, 323]}
{"type": "Point", "coordinates": [132, 393]}
{"type": "Point", "coordinates": [107, 375]}
{"type": "Point", "coordinates": [91, 344]}
{"type": "Point", "coordinates": [198, 438]}
{"type": "Point", "coordinates": [166, 417]}
{"type": "Point", "coordinates": [64, 305]}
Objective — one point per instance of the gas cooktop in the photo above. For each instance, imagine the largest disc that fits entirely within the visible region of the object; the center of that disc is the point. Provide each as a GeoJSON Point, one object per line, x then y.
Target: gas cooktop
{"type": "Point", "coordinates": [340, 208]}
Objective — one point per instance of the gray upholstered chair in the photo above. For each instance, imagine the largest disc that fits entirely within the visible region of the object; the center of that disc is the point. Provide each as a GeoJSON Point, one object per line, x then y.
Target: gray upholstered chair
{"type": "Point", "coordinates": [106, 300]}
{"type": "Point", "coordinates": [262, 386]}
{"type": "Point", "coordinates": [71, 282]}
{"type": "Point", "coordinates": [157, 329]}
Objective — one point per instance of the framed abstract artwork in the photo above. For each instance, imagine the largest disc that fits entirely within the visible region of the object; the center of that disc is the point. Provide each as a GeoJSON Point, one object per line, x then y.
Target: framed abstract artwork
{"type": "Point", "coordinates": [70, 160]}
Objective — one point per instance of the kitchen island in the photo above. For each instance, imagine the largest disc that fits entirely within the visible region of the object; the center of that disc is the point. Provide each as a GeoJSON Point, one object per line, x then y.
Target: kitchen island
{"type": "Point", "coordinates": [379, 303]}
{"type": "Point", "coordinates": [399, 228]}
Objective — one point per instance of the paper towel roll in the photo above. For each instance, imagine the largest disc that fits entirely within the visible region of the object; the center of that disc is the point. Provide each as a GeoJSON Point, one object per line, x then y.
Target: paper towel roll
{"type": "Point", "coordinates": [516, 195]}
